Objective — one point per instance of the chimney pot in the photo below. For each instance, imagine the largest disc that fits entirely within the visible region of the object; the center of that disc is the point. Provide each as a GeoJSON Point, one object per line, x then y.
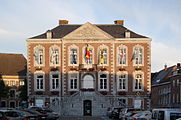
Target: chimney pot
{"type": "Point", "coordinates": [49, 34]}
{"type": "Point", "coordinates": [63, 22]}
{"type": "Point", "coordinates": [119, 22]}
{"type": "Point", "coordinates": [165, 66]}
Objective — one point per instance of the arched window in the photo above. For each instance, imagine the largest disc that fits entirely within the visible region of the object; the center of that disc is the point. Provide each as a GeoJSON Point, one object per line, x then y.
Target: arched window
{"type": "Point", "coordinates": [103, 81]}
{"type": "Point", "coordinates": [73, 53]}
{"type": "Point", "coordinates": [54, 55]}
{"type": "Point", "coordinates": [138, 55]}
{"type": "Point", "coordinates": [39, 55]}
{"type": "Point", "coordinates": [138, 83]}
{"type": "Point", "coordinates": [103, 55]}
{"type": "Point", "coordinates": [73, 81]}
{"type": "Point", "coordinates": [88, 54]}
{"type": "Point", "coordinates": [122, 81]}
{"type": "Point", "coordinates": [88, 81]}
{"type": "Point", "coordinates": [122, 55]}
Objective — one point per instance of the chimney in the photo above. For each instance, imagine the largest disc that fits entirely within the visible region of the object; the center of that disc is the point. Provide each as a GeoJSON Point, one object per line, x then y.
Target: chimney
{"type": "Point", "coordinates": [49, 34]}
{"type": "Point", "coordinates": [119, 22]}
{"type": "Point", "coordinates": [165, 67]}
{"type": "Point", "coordinates": [63, 22]}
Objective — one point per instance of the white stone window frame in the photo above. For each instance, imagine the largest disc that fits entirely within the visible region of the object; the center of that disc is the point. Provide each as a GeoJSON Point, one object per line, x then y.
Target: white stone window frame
{"type": "Point", "coordinates": [15, 93]}
{"type": "Point", "coordinates": [98, 55]}
{"type": "Point", "coordinates": [133, 52]}
{"type": "Point", "coordinates": [35, 80]}
{"type": "Point", "coordinates": [83, 56]}
{"type": "Point", "coordinates": [69, 82]}
{"type": "Point", "coordinates": [134, 81]}
{"type": "Point", "coordinates": [12, 101]}
{"type": "Point", "coordinates": [117, 59]}
{"type": "Point", "coordinates": [107, 75]}
{"type": "Point", "coordinates": [5, 102]}
{"type": "Point", "coordinates": [59, 81]}
{"type": "Point", "coordinates": [69, 53]}
{"type": "Point", "coordinates": [117, 78]}
{"type": "Point", "coordinates": [35, 62]}
{"type": "Point", "coordinates": [50, 51]}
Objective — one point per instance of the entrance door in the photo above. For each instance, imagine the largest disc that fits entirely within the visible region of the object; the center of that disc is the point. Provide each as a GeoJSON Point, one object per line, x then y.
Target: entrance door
{"type": "Point", "coordinates": [87, 108]}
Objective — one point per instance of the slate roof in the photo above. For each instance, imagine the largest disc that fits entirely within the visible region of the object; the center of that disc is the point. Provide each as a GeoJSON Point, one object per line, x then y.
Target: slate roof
{"type": "Point", "coordinates": [117, 31]}
{"type": "Point", "coordinates": [162, 76]}
{"type": "Point", "coordinates": [12, 64]}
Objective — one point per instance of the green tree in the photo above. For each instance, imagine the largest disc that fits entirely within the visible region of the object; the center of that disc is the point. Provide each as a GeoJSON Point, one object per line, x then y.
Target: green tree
{"type": "Point", "coordinates": [3, 90]}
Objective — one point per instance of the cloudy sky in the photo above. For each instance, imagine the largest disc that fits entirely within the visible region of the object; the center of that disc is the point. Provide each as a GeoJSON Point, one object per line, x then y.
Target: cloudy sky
{"type": "Point", "coordinates": [159, 20]}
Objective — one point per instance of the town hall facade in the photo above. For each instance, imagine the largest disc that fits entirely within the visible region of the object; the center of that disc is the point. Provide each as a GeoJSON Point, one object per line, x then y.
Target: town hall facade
{"type": "Point", "coordinates": [84, 69]}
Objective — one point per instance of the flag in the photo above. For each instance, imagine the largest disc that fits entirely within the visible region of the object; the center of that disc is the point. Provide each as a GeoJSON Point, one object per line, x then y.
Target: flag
{"type": "Point", "coordinates": [101, 57]}
{"type": "Point", "coordinates": [87, 55]}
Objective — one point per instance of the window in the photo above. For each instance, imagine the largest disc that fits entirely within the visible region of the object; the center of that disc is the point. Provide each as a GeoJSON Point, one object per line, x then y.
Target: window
{"type": "Point", "coordinates": [88, 57]}
{"type": "Point", "coordinates": [54, 55]}
{"type": "Point", "coordinates": [138, 82]}
{"type": "Point", "coordinates": [12, 83]}
{"type": "Point", "coordinates": [103, 56]}
{"type": "Point", "coordinates": [138, 55]}
{"type": "Point", "coordinates": [12, 93]}
{"type": "Point", "coordinates": [21, 83]}
{"type": "Point", "coordinates": [122, 102]}
{"type": "Point", "coordinates": [122, 82]}
{"type": "Point", "coordinates": [54, 81]}
{"type": "Point", "coordinates": [103, 82]}
{"type": "Point", "coordinates": [122, 55]}
{"type": "Point", "coordinates": [73, 81]}
{"type": "Point", "coordinates": [39, 82]}
{"type": "Point", "coordinates": [73, 56]}
{"type": "Point", "coordinates": [39, 55]}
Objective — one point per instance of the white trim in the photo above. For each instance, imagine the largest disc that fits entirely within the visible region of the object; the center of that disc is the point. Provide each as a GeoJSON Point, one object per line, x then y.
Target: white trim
{"type": "Point", "coordinates": [35, 80]}
{"type": "Point", "coordinates": [126, 82]}
{"type": "Point", "coordinates": [143, 80]}
{"type": "Point", "coordinates": [50, 80]}
{"type": "Point", "coordinates": [50, 51]}
{"type": "Point", "coordinates": [107, 77]}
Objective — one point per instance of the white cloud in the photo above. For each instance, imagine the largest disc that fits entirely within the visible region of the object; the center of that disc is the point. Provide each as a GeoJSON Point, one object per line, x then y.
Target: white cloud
{"type": "Point", "coordinates": [163, 54]}
{"type": "Point", "coordinates": [4, 32]}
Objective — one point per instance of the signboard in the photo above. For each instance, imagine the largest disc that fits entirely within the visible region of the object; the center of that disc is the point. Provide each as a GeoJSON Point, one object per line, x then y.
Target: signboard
{"type": "Point", "coordinates": [39, 103]}
{"type": "Point", "coordinates": [137, 103]}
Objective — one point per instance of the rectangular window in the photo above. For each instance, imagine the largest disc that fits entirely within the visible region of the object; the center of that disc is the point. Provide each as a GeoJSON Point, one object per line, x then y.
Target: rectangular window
{"type": "Point", "coordinates": [73, 56]}
{"type": "Point", "coordinates": [138, 82]}
{"type": "Point", "coordinates": [122, 82]}
{"type": "Point", "coordinates": [39, 82]}
{"type": "Point", "coordinates": [54, 57]}
{"type": "Point", "coordinates": [55, 81]}
{"type": "Point", "coordinates": [73, 81]}
{"type": "Point", "coordinates": [122, 56]}
{"type": "Point", "coordinates": [138, 55]}
{"type": "Point", "coordinates": [103, 82]}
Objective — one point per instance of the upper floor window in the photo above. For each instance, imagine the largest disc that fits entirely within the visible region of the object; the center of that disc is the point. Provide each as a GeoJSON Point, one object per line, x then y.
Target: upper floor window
{"type": "Point", "coordinates": [103, 81]}
{"type": "Point", "coordinates": [122, 55]}
{"type": "Point", "coordinates": [39, 82]}
{"type": "Point", "coordinates": [122, 81]}
{"type": "Point", "coordinates": [39, 55]}
{"type": "Point", "coordinates": [103, 54]}
{"type": "Point", "coordinates": [54, 55]}
{"type": "Point", "coordinates": [73, 56]}
{"type": "Point", "coordinates": [54, 81]}
{"type": "Point", "coordinates": [138, 55]}
{"type": "Point", "coordinates": [88, 55]}
{"type": "Point", "coordinates": [73, 81]}
{"type": "Point", "coordinates": [138, 82]}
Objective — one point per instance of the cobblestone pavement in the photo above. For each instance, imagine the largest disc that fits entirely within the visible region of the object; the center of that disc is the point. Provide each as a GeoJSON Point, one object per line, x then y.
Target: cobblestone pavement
{"type": "Point", "coordinates": [80, 118]}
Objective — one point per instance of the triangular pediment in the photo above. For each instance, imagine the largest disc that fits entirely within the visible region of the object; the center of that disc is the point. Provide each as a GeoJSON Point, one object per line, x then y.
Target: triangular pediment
{"type": "Point", "coordinates": [88, 31]}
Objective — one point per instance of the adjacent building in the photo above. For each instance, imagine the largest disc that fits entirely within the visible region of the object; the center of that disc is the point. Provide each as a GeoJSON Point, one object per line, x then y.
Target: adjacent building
{"type": "Point", "coordinates": [83, 69]}
{"type": "Point", "coordinates": [13, 73]}
{"type": "Point", "coordinates": [166, 88]}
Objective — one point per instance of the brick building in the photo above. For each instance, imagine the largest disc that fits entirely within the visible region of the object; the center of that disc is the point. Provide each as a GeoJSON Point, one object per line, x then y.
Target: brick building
{"type": "Point", "coordinates": [82, 69]}
{"type": "Point", "coordinates": [13, 73]}
{"type": "Point", "coordinates": [166, 88]}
